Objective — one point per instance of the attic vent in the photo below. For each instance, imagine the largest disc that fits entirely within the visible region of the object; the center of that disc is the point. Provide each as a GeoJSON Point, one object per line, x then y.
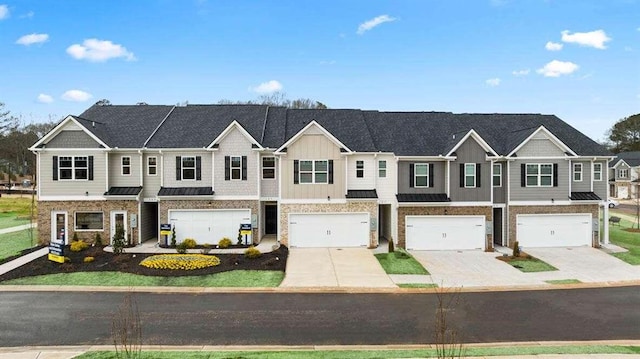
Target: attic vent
{"type": "Point", "coordinates": [93, 124]}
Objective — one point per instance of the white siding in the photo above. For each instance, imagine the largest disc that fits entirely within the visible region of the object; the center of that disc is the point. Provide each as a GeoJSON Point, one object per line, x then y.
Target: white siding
{"type": "Point", "coordinates": [386, 186]}
{"type": "Point", "coordinates": [235, 144]}
{"type": "Point", "coordinates": [169, 169]}
{"type": "Point", "coordinates": [152, 183]}
{"type": "Point", "coordinates": [370, 172]}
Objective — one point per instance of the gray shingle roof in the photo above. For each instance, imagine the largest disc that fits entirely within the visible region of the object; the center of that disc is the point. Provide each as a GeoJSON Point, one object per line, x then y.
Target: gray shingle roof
{"type": "Point", "coordinates": [631, 158]}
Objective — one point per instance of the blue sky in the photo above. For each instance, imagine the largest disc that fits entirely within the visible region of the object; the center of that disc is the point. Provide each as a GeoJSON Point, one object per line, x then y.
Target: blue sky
{"type": "Point", "coordinates": [576, 59]}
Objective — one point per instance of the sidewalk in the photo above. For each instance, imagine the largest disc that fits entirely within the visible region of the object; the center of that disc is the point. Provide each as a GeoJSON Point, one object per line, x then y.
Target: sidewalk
{"type": "Point", "coordinates": [18, 228]}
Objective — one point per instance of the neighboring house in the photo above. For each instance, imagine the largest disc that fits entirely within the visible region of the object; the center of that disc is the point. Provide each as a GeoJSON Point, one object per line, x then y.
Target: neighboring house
{"type": "Point", "coordinates": [322, 178]}
{"type": "Point", "coordinates": [624, 175]}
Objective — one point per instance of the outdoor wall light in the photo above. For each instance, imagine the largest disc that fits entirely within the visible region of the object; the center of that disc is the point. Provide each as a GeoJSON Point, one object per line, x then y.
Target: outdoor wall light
{"type": "Point", "coordinates": [445, 212]}
{"type": "Point", "coordinates": [86, 193]}
{"type": "Point", "coordinates": [552, 200]}
{"type": "Point", "coordinates": [328, 198]}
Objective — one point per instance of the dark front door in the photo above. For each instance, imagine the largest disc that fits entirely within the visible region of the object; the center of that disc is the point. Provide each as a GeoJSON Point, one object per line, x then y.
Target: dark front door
{"type": "Point", "coordinates": [497, 226]}
{"type": "Point", "coordinates": [270, 219]}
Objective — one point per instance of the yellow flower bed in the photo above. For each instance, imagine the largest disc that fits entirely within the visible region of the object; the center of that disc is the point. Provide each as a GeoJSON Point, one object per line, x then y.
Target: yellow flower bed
{"type": "Point", "coordinates": [180, 261]}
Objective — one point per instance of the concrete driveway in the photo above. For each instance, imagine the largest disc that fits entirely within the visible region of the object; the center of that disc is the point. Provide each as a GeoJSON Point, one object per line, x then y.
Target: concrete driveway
{"type": "Point", "coordinates": [334, 267]}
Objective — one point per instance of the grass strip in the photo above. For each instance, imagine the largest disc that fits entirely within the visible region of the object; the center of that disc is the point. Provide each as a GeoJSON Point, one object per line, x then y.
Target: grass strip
{"type": "Point", "coordinates": [13, 243]}
{"type": "Point", "coordinates": [627, 240]}
{"type": "Point", "coordinates": [563, 281]}
{"type": "Point", "coordinates": [417, 285]}
{"type": "Point", "coordinates": [532, 265]}
{"type": "Point", "coordinates": [400, 262]}
{"type": "Point", "coordinates": [236, 278]}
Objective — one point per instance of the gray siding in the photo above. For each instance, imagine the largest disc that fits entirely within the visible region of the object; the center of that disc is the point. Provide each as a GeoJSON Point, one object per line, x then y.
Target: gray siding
{"type": "Point", "coordinates": [620, 167]}
{"type": "Point", "coordinates": [585, 184]}
{"type": "Point", "coordinates": [601, 187]}
{"type": "Point", "coordinates": [439, 170]}
{"type": "Point", "coordinates": [72, 139]}
{"type": "Point", "coordinates": [169, 169]}
{"type": "Point", "coordinates": [49, 187]}
{"type": "Point", "coordinates": [471, 152]}
{"type": "Point", "coordinates": [116, 178]}
{"type": "Point", "coordinates": [236, 144]}
{"type": "Point", "coordinates": [519, 193]}
{"type": "Point", "coordinates": [152, 183]}
{"type": "Point", "coordinates": [500, 193]}
{"type": "Point", "coordinates": [540, 146]}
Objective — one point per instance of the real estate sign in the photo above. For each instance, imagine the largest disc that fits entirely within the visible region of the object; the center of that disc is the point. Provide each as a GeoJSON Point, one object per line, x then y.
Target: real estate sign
{"type": "Point", "coordinates": [56, 252]}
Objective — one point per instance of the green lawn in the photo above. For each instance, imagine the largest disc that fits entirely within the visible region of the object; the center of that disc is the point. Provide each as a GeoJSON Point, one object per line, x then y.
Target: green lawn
{"type": "Point", "coordinates": [12, 207]}
{"type": "Point", "coordinates": [237, 278]}
{"type": "Point", "coordinates": [628, 240]}
{"type": "Point", "coordinates": [400, 262]}
{"type": "Point", "coordinates": [13, 243]}
{"type": "Point", "coordinates": [532, 265]}
{"type": "Point", "coordinates": [563, 281]}
{"type": "Point", "coordinates": [417, 285]}
{"type": "Point", "coordinates": [11, 219]}
{"type": "Point", "coordinates": [371, 354]}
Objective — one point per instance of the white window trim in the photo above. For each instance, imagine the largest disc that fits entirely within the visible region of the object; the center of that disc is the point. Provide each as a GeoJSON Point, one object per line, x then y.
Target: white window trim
{"type": "Point", "coordinates": [263, 167]}
{"type": "Point", "coordinates": [73, 169]}
{"type": "Point", "coordinates": [538, 175]}
{"type": "Point", "coordinates": [232, 167]}
{"type": "Point", "coordinates": [577, 172]}
{"type": "Point", "coordinates": [313, 171]}
{"type": "Point", "coordinates": [359, 169]}
{"type": "Point", "coordinates": [620, 172]}
{"type": "Point", "coordinates": [598, 172]}
{"type": "Point", "coordinates": [182, 168]}
{"type": "Point", "coordinates": [416, 175]}
{"type": "Point", "coordinates": [75, 222]}
{"type": "Point", "coordinates": [494, 174]}
{"type": "Point", "coordinates": [381, 169]}
{"type": "Point", "coordinates": [149, 165]}
{"type": "Point", "coordinates": [122, 165]}
{"type": "Point", "coordinates": [470, 175]}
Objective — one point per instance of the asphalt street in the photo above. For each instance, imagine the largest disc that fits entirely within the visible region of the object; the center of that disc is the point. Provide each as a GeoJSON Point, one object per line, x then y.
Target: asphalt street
{"type": "Point", "coordinates": [79, 318]}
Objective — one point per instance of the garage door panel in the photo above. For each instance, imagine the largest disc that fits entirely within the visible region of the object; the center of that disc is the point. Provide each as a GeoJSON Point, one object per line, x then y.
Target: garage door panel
{"type": "Point", "coordinates": [560, 230]}
{"type": "Point", "coordinates": [445, 232]}
{"type": "Point", "coordinates": [208, 226]}
{"type": "Point", "coordinates": [328, 230]}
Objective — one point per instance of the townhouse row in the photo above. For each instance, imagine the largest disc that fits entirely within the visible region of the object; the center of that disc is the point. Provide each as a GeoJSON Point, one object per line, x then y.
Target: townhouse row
{"type": "Point", "coordinates": [322, 178]}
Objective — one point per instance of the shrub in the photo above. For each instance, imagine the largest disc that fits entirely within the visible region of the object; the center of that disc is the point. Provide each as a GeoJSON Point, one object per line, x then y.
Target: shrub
{"type": "Point", "coordinates": [118, 240]}
{"type": "Point", "coordinates": [252, 252]}
{"type": "Point", "coordinates": [391, 248]}
{"type": "Point", "coordinates": [88, 259]}
{"type": "Point", "coordinates": [516, 249]}
{"type": "Point", "coordinates": [67, 260]}
{"type": "Point", "coordinates": [173, 237]}
{"type": "Point", "coordinates": [180, 261]}
{"type": "Point", "coordinates": [75, 236]}
{"type": "Point", "coordinates": [77, 246]}
{"type": "Point", "coordinates": [224, 243]}
{"type": "Point", "coordinates": [181, 248]}
{"type": "Point", "coordinates": [189, 243]}
{"type": "Point", "coordinates": [206, 248]}
{"type": "Point", "coordinates": [97, 240]}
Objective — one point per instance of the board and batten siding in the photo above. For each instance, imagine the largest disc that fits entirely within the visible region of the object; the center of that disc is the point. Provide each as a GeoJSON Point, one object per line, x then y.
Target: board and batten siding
{"type": "Point", "coordinates": [116, 178]}
{"type": "Point", "coordinates": [169, 169]}
{"type": "Point", "coordinates": [368, 181]}
{"type": "Point", "coordinates": [313, 147]}
{"type": "Point", "coordinates": [404, 177]}
{"type": "Point", "coordinates": [152, 183]}
{"type": "Point", "coordinates": [49, 187]}
{"type": "Point", "coordinates": [540, 146]}
{"type": "Point", "coordinates": [235, 144]}
{"type": "Point", "coordinates": [471, 152]}
{"type": "Point", "coordinates": [500, 193]}
{"type": "Point", "coordinates": [519, 193]}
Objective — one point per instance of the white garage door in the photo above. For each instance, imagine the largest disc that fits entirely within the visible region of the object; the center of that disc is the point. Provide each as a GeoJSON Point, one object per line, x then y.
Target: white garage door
{"type": "Point", "coordinates": [445, 232]}
{"type": "Point", "coordinates": [554, 230]}
{"type": "Point", "coordinates": [329, 230]}
{"type": "Point", "coordinates": [208, 226]}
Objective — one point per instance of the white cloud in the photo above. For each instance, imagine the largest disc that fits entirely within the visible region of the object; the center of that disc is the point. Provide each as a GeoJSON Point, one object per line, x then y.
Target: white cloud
{"type": "Point", "coordinates": [267, 87]}
{"type": "Point", "coordinates": [4, 12]}
{"type": "Point", "coordinates": [28, 15]}
{"type": "Point", "coordinates": [493, 82]}
{"type": "Point", "coordinates": [557, 68]}
{"type": "Point", "coordinates": [328, 62]}
{"type": "Point", "coordinates": [31, 39]}
{"type": "Point", "coordinates": [370, 24]}
{"type": "Point", "coordinates": [553, 46]}
{"type": "Point", "coordinates": [498, 2]}
{"type": "Point", "coordinates": [95, 50]}
{"type": "Point", "coordinates": [595, 38]}
{"type": "Point", "coordinates": [76, 96]}
{"type": "Point", "coordinates": [44, 98]}
{"type": "Point", "coordinates": [524, 72]}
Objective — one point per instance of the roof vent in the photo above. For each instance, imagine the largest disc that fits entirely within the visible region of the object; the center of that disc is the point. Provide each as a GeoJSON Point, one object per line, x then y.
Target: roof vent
{"type": "Point", "coordinates": [453, 137]}
{"type": "Point", "coordinates": [93, 124]}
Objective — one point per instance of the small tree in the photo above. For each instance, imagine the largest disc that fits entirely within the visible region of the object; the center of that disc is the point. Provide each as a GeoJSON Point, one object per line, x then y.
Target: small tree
{"type": "Point", "coordinates": [126, 329]}
{"type": "Point", "coordinates": [118, 240]}
{"type": "Point", "coordinates": [173, 237]}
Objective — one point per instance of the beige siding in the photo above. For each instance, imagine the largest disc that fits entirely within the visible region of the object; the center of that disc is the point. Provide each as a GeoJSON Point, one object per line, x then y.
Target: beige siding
{"type": "Point", "coordinates": [269, 187]}
{"type": "Point", "coordinates": [152, 183]}
{"type": "Point", "coordinates": [387, 186]}
{"type": "Point", "coordinates": [116, 178]}
{"type": "Point", "coordinates": [313, 147]}
{"type": "Point", "coordinates": [370, 172]}
{"type": "Point", "coordinates": [49, 187]}
{"type": "Point", "coordinates": [540, 146]}
{"type": "Point", "coordinates": [235, 144]}
{"type": "Point", "coordinates": [72, 139]}
{"type": "Point", "coordinates": [169, 169]}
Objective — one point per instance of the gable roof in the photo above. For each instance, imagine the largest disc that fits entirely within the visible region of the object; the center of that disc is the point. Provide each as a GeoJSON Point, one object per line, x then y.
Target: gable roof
{"type": "Point", "coordinates": [556, 141]}
{"type": "Point", "coordinates": [631, 158]}
{"type": "Point", "coordinates": [311, 124]}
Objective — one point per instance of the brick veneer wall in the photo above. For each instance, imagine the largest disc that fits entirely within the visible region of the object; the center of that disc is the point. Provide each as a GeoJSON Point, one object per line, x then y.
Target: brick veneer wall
{"type": "Point", "coordinates": [580, 208]}
{"type": "Point", "coordinates": [44, 218]}
{"type": "Point", "coordinates": [441, 211]}
{"type": "Point", "coordinates": [360, 207]}
{"type": "Point", "coordinates": [166, 205]}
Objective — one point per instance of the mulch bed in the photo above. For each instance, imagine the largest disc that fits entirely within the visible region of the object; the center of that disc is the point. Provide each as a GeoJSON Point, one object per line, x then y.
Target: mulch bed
{"type": "Point", "coordinates": [632, 230]}
{"type": "Point", "coordinates": [130, 263]}
{"type": "Point", "coordinates": [522, 257]}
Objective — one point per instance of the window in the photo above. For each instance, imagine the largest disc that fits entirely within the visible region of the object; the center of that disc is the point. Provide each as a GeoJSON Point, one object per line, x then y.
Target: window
{"type": "Point", "coordinates": [577, 172]}
{"type": "Point", "coordinates": [73, 167]}
{"type": "Point", "coordinates": [268, 167]}
{"type": "Point", "coordinates": [188, 168]}
{"type": "Point", "coordinates": [314, 171]}
{"type": "Point", "coordinates": [539, 175]}
{"type": "Point", "coordinates": [359, 169]}
{"type": "Point", "coordinates": [152, 166]}
{"type": "Point", "coordinates": [623, 173]}
{"type": "Point", "coordinates": [236, 167]}
{"type": "Point", "coordinates": [126, 165]}
{"type": "Point", "coordinates": [382, 169]}
{"type": "Point", "coordinates": [421, 175]}
{"type": "Point", "coordinates": [469, 175]}
{"type": "Point", "coordinates": [89, 221]}
{"type": "Point", "coordinates": [597, 171]}
{"type": "Point", "coordinates": [497, 175]}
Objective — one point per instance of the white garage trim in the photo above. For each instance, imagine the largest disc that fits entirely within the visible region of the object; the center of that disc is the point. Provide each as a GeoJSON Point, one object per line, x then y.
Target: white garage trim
{"type": "Point", "coordinates": [445, 232]}
{"type": "Point", "coordinates": [341, 229]}
{"type": "Point", "coordinates": [554, 230]}
{"type": "Point", "coordinates": [208, 225]}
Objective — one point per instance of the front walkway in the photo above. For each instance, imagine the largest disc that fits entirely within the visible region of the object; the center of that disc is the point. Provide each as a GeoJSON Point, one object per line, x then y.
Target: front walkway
{"type": "Point", "coordinates": [18, 228]}
{"type": "Point", "coordinates": [267, 244]}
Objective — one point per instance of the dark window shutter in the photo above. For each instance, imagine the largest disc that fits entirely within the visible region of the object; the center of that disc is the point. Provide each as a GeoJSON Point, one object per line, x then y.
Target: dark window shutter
{"type": "Point", "coordinates": [55, 168]}
{"type": "Point", "coordinates": [90, 168]}
{"type": "Point", "coordinates": [227, 168]}
{"type": "Point", "coordinates": [431, 175]}
{"type": "Point", "coordinates": [461, 175]}
{"type": "Point", "coordinates": [412, 176]}
{"type": "Point", "coordinates": [178, 168]}
{"type": "Point", "coordinates": [330, 171]}
{"type": "Point", "coordinates": [555, 175]}
{"type": "Point", "coordinates": [523, 175]}
{"type": "Point", "coordinates": [296, 171]}
{"type": "Point", "coordinates": [244, 168]}
{"type": "Point", "coordinates": [478, 175]}
{"type": "Point", "coordinates": [198, 168]}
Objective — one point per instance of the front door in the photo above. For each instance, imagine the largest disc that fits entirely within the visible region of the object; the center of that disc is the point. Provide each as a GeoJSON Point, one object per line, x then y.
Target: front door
{"type": "Point", "coordinates": [497, 226]}
{"type": "Point", "coordinates": [118, 218]}
{"type": "Point", "coordinates": [270, 219]}
{"type": "Point", "coordinates": [59, 227]}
